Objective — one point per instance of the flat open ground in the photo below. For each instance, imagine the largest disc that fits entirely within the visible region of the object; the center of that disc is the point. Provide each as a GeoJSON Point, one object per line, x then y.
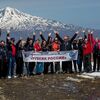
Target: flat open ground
{"type": "Point", "coordinates": [50, 87]}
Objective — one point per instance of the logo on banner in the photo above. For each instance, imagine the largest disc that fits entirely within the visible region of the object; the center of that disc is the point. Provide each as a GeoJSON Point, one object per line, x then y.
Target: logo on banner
{"type": "Point", "coordinates": [72, 54]}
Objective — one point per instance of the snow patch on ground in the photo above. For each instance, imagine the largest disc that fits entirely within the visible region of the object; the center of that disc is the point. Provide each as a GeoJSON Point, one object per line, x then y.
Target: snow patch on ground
{"type": "Point", "coordinates": [90, 75]}
{"type": "Point", "coordinates": [73, 79]}
{"type": "Point", "coordinates": [85, 76]}
{"type": "Point", "coordinates": [94, 74]}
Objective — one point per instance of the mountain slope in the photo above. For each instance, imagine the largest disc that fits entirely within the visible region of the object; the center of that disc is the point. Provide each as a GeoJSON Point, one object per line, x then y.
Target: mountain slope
{"type": "Point", "coordinates": [11, 18]}
{"type": "Point", "coordinates": [24, 24]}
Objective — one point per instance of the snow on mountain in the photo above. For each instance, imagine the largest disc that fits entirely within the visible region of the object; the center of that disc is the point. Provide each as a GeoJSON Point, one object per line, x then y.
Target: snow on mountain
{"type": "Point", "coordinates": [19, 22]}
{"type": "Point", "coordinates": [11, 18]}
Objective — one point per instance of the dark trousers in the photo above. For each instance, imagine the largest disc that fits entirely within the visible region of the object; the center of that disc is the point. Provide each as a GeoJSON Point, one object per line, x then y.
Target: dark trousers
{"type": "Point", "coordinates": [3, 68]}
{"type": "Point", "coordinates": [31, 67]}
{"type": "Point", "coordinates": [46, 66]}
{"type": "Point", "coordinates": [87, 63]}
{"type": "Point", "coordinates": [0, 69]}
{"type": "Point", "coordinates": [67, 66]}
{"type": "Point", "coordinates": [98, 63]}
{"type": "Point", "coordinates": [57, 66]}
{"type": "Point", "coordinates": [19, 66]}
{"type": "Point", "coordinates": [28, 68]}
{"type": "Point", "coordinates": [79, 62]}
{"type": "Point", "coordinates": [95, 59]}
{"type": "Point", "coordinates": [51, 67]}
{"type": "Point", "coordinates": [75, 65]}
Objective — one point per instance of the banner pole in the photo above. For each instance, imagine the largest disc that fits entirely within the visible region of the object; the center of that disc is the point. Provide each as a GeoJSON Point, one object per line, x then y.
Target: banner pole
{"type": "Point", "coordinates": [60, 66]}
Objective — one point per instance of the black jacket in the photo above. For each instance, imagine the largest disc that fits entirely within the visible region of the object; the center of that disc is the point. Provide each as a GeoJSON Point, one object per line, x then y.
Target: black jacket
{"type": "Point", "coordinates": [80, 49]}
{"type": "Point", "coordinates": [29, 47]}
{"type": "Point", "coordinates": [3, 53]}
{"type": "Point", "coordinates": [48, 45]}
{"type": "Point", "coordinates": [96, 49]}
{"type": "Point", "coordinates": [66, 45]}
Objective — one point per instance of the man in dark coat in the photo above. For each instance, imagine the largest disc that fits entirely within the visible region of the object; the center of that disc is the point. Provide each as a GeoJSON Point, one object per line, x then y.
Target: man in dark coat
{"type": "Point", "coordinates": [66, 45]}
{"type": "Point", "coordinates": [3, 60]}
{"type": "Point", "coordinates": [29, 47]}
{"type": "Point", "coordinates": [80, 54]}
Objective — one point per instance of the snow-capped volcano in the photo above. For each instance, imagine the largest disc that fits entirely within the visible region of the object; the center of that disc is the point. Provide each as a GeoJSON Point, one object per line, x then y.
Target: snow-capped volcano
{"type": "Point", "coordinates": [19, 22]}
{"type": "Point", "coordinates": [11, 18]}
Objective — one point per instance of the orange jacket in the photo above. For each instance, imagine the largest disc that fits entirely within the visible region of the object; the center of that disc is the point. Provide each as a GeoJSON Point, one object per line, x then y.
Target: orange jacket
{"type": "Point", "coordinates": [55, 46]}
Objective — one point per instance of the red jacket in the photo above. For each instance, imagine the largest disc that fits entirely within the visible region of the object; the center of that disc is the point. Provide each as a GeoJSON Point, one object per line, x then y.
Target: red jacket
{"type": "Point", "coordinates": [88, 47]}
{"type": "Point", "coordinates": [91, 40]}
{"type": "Point", "coordinates": [13, 50]}
{"type": "Point", "coordinates": [37, 47]}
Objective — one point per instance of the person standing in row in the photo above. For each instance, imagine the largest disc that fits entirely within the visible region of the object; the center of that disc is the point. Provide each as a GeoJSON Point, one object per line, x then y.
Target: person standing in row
{"type": "Point", "coordinates": [96, 55]}
{"type": "Point", "coordinates": [3, 59]}
{"type": "Point", "coordinates": [87, 51]}
{"type": "Point", "coordinates": [30, 47]}
{"type": "Point", "coordinates": [75, 47]}
{"type": "Point", "coordinates": [11, 53]}
{"type": "Point", "coordinates": [46, 47]}
{"type": "Point", "coordinates": [19, 58]}
{"type": "Point", "coordinates": [56, 48]}
{"type": "Point", "coordinates": [98, 63]}
{"type": "Point", "coordinates": [66, 45]}
{"type": "Point", "coordinates": [39, 65]}
{"type": "Point", "coordinates": [80, 54]}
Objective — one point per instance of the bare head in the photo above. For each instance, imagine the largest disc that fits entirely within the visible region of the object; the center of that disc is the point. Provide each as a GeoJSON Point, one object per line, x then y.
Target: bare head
{"type": "Point", "coordinates": [44, 42]}
{"type": "Point", "coordinates": [2, 43]}
{"type": "Point", "coordinates": [37, 41]}
{"type": "Point", "coordinates": [12, 40]}
{"type": "Point", "coordinates": [30, 41]}
{"type": "Point", "coordinates": [66, 38]}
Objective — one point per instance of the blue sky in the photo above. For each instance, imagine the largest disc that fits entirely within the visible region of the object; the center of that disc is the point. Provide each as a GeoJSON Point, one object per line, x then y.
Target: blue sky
{"type": "Point", "coordinates": [84, 13]}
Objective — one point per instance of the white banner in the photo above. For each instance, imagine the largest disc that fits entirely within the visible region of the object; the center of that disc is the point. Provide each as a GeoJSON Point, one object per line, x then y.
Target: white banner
{"type": "Point", "coordinates": [50, 56]}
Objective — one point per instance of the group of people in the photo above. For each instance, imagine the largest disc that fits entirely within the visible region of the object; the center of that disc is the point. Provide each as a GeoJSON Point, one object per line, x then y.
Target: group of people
{"type": "Point", "coordinates": [11, 57]}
